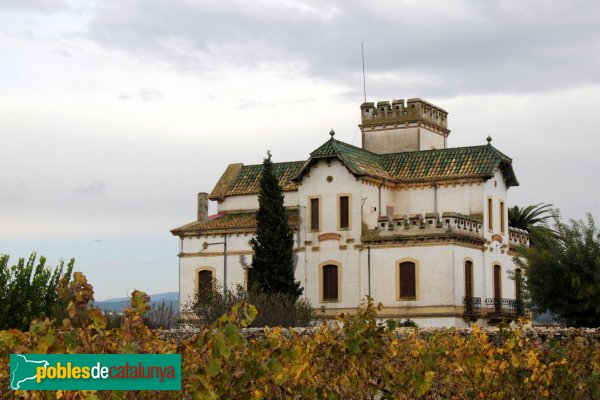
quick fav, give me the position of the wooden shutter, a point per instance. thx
(205, 283)
(502, 220)
(330, 282)
(468, 280)
(490, 214)
(344, 212)
(408, 282)
(518, 287)
(497, 294)
(314, 214)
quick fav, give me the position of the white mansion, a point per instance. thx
(418, 226)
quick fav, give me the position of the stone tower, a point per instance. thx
(396, 127)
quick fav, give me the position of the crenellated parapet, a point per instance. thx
(429, 226)
(518, 237)
(400, 112)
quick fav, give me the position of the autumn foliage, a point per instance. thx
(357, 358)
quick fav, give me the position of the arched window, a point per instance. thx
(469, 286)
(518, 285)
(408, 280)
(205, 285)
(468, 279)
(497, 287)
(330, 282)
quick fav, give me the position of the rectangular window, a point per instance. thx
(497, 288)
(330, 283)
(344, 212)
(314, 214)
(502, 220)
(408, 281)
(490, 214)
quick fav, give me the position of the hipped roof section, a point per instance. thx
(223, 223)
(406, 167)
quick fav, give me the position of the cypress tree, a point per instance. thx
(272, 262)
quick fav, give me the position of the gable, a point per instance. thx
(239, 179)
(476, 162)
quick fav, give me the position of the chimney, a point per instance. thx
(202, 206)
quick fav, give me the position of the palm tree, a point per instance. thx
(529, 217)
(533, 219)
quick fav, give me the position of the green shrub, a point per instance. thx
(29, 290)
(273, 309)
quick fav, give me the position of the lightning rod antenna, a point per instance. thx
(362, 49)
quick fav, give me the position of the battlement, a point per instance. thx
(398, 112)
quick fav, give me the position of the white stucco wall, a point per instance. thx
(495, 189)
(430, 140)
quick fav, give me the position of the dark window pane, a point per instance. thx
(344, 212)
(518, 287)
(497, 294)
(330, 282)
(408, 282)
(314, 214)
(205, 285)
(468, 279)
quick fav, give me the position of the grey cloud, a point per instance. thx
(450, 47)
(42, 6)
(144, 95)
(93, 188)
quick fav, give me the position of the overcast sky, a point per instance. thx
(114, 114)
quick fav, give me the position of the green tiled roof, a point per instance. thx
(448, 164)
(406, 167)
(246, 178)
(229, 221)
(357, 160)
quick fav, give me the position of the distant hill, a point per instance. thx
(119, 304)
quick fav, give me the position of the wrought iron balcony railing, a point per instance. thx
(507, 308)
(472, 306)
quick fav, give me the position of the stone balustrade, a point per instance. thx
(518, 237)
(429, 223)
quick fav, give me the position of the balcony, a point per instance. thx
(472, 307)
(517, 237)
(429, 226)
(497, 308)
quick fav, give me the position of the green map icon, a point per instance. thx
(23, 369)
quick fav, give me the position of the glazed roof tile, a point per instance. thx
(229, 221)
(405, 167)
(247, 178)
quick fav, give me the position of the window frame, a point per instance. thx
(497, 267)
(502, 217)
(490, 213)
(310, 213)
(472, 288)
(322, 266)
(197, 278)
(399, 277)
(339, 211)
